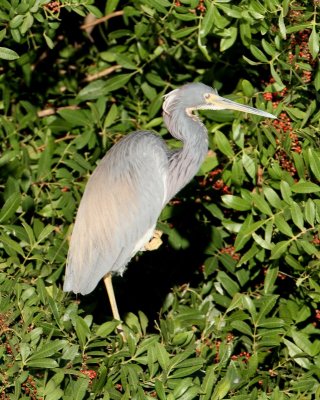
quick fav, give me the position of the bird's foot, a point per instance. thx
(155, 242)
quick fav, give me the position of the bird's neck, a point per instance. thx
(185, 162)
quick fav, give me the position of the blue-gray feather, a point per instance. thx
(127, 191)
(122, 201)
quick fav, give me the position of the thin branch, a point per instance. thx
(102, 73)
(51, 111)
(102, 19)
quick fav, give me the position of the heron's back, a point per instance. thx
(120, 207)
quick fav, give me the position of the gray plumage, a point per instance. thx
(133, 182)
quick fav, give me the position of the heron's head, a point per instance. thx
(197, 96)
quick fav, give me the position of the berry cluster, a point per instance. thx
(90, 373)
(215, 181)
(217, 344)
(217, 356)
(283, 126)
(244, 356)
(316, 323)
(200, 7)
(285, 163)
(275, 97)
(30, 388)
(299, 52)
(283, 123)
(53, 6)
(231, 251)
(3, 322)
(316, 239)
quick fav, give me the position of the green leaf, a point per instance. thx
(228, 283)
(6, 241)
(106, 328)
(247, 88)
(43, 363)
(314, 43)
(93, 90)
(182, 372)
(302, 341)
(76, 117)
(248, 304)
(249, 165)
(283, 225)
(8, 54)
(248, 256)
(267, 303)
(260, 203)
(270, 279)
(297, 354)
(268, 48)
(305, 187)
(181, 33)
(111, 116)
(297, 215)
(250, 62)
(229, 40)
(236, 203)
(44, 167)
(16, 21)
(258, 54)
(282, 27)
(245, 233)
(273, 198)
(27, 23)
(310, 212)
(80, 388)
(48, 40)
(221, 389)
(10, 207)
(208, 21)
(286, 192)
(111, 6)
(160, 390)
(117, 82)
(125, 62)
(48, 349)
(242, 327)
(162, 356)
(279, 249)
(208, 383)
(276, 77)
(308, 247)
(210, 162)
(181, 388)
(223, 144)
(82, 329)
(314, 160)
(47, 230)
(271, 323)
(316, 80)
(246, 37)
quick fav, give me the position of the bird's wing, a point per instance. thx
(119, 210)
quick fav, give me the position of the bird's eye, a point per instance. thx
(207, 96)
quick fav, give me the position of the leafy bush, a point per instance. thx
(228, 307)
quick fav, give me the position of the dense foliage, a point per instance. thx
(229, 306)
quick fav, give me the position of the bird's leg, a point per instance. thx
(114, 308)
(155, 242)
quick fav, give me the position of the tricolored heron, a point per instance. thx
(132, 183)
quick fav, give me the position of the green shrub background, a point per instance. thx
(229, 306)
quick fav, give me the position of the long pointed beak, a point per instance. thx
(216, 102)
